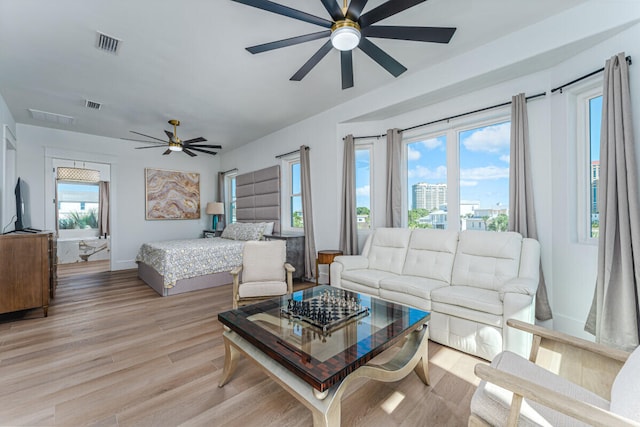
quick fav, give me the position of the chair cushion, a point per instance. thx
(492, 403)
(625, 391)
(261, 289)
(264, 261)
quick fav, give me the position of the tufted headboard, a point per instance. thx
(258, 197)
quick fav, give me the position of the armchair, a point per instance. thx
(265, 273)
(516, 391)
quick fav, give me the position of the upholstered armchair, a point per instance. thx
(265, 272)
(516, 391)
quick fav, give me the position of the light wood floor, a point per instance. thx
(112, 352)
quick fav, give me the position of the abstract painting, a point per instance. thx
(172, 195)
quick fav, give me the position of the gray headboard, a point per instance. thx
(258, 197)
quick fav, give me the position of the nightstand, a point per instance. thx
(207, 234)
(295, 250)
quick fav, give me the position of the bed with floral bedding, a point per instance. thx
(177, 266)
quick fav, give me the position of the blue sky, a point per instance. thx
(595, 122)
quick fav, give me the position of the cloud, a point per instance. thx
(464, 183)
(490, 139)
(432, 143)
(505, 158)
(413, 154)
(425, 173)
(363, 191)
(484, 173)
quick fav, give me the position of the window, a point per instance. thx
(293, 217)
(78, 205)
(459, 178)
(364, 171)
(230, 197)
(595, 119)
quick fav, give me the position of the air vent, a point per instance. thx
(52, 117)
(93, 105)
(107, 43)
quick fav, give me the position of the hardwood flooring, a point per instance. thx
(114, 353)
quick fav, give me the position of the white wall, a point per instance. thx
(7, 166)
(533, 60)
(129, 229)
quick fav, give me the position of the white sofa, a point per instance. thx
(470, 281)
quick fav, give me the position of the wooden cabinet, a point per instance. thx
(26, 271)
(295, 250)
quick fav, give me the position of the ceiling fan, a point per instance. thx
(348, 29)
(176, 144)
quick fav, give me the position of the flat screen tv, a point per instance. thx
(22, 209)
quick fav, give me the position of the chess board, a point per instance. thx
(326, 311)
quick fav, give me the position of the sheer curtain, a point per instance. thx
(103, 213)
(309, 238)
(394, 183)
(614, 316)
(522, 214)
(348, 220)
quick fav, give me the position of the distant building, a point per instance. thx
(595, 183)
(428, 196)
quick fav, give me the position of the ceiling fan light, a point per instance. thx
(345, 35)
(175, 146)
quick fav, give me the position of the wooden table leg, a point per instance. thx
(231, 356)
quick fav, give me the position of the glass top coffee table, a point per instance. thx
(316, 341)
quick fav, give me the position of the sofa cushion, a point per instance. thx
(420, 287)
(430, 254)
(367, 277)
(476, 299)
(388, 249)
(486, 259)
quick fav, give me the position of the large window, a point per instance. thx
(364, 172)
(459, 178)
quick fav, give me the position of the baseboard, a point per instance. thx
(123, 265)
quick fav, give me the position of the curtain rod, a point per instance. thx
(290, 152)
(559, 88)
(230, 170)
(538, 95)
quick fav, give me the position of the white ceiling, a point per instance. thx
(186, 60)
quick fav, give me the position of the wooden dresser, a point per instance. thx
(27, 269)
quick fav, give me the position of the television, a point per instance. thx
(22, 210)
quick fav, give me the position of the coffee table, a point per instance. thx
(284, 336)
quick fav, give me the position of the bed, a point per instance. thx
(178, 266)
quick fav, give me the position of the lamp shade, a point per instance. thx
(215, 208)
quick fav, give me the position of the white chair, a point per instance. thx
(516, 391)
(265, 272)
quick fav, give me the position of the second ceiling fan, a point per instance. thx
(348, 29)
(176, 144)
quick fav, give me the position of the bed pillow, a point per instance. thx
(268, 228)
(249, 231)
(229, 231)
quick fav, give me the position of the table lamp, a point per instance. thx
(215, 209)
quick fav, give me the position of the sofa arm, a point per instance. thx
(519, 285)
(352, 262)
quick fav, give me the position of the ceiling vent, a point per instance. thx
(52, 117)
(107, 43)
(92, 104)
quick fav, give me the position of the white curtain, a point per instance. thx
(614, 316)
(309, 238)
(522, 214)
(103, 211)
(348, 220)
(394, 182)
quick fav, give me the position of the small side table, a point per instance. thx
(326, 257)
(207, 234)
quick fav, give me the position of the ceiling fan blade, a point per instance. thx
(145, 141)
(288, 42)
(386, 10)
(355, 9)
(378, 55)
(186, 150)
(166, 152)
(169, 134)
(287, 11)
(346, 65)
(218, 147)
(152, 146)
(191, 141)
(420, 34)
(202, 151)
(148, 136)
(333, 9)
(312, 62)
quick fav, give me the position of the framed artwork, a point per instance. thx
(172, 194)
